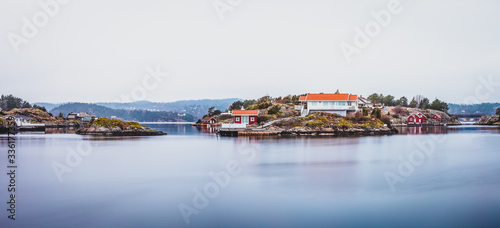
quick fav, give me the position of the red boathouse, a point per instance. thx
(418, 118)
(208, 120)
(245, 116)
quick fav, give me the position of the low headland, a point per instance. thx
(114, 127)
(489, 120)
(96, 126)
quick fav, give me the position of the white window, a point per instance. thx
(314, 103)
(252, 119)
(237, 119)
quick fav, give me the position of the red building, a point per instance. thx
(208, 120)
(418, 118)
(245, 116)
(436, 117)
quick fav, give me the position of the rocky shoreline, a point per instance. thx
(489, 120)
(312, 131)
(120, 133)
(341, 131)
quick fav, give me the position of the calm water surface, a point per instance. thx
(453, 180)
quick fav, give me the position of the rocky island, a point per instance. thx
(114, 127)
(275, 118)
(26, 118)
(287, 116)
(489, 120)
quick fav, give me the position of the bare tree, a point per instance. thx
(419, 98)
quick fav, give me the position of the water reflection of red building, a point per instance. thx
(207, 129)
(415, 130)
(419, 130)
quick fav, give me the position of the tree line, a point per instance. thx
(9, 102)
(265, 102)
(418, 101)
(135, 115)
(483, 108)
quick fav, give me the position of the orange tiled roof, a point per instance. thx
(302, 98)
(331, 97)
(245, 112)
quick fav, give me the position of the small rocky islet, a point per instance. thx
(114, 127)
(489, 120)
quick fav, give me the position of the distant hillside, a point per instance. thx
(48, 106)
(197, 108)
(483, 108)
(129, 115)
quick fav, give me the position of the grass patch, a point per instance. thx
(112, 123)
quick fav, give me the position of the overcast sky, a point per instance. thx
(93, 51)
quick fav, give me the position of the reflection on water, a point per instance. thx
(181, 129)
(207, 130)
(302, 181)
(64, 130)
(416, 130)
(186, 129)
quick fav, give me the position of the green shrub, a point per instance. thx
(365, 111)
(262, 119)
(314, 123)
(264, 105)
(274, 110)
(377, 113)
(343, 123)
(373, 123)
(386, 119)
(111, 123)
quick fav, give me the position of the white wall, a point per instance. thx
(331, 105)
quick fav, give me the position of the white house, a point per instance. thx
(23, 121)
(364, 102)
(338, 103)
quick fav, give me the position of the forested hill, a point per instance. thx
(130, 115)
(483, 108)
(196, 108)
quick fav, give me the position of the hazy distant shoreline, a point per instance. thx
(166, 122)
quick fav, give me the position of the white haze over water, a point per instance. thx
(94, 51)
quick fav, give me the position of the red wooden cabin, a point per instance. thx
(418, 118)
(245, 116)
